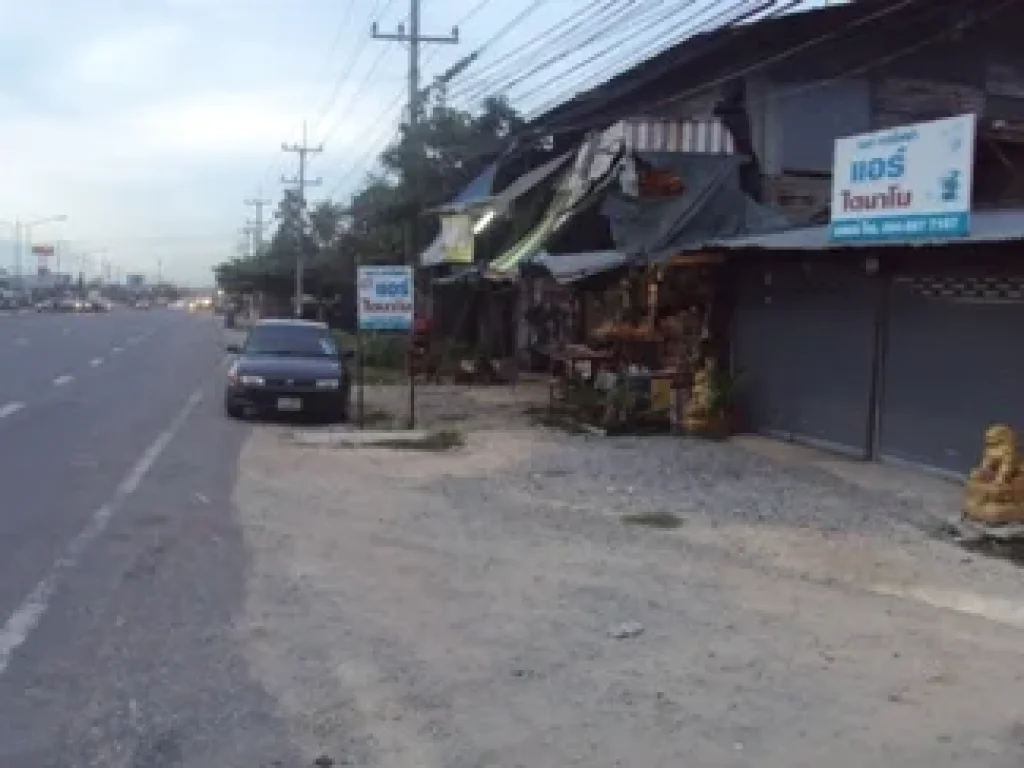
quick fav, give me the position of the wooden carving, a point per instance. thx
(995, 489)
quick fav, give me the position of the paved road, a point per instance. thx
(120, 562)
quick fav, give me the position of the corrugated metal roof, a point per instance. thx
(986, 227)
(569, 267)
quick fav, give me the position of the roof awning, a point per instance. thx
(433, 255)
(570, 267)
(986, 227)
(528, 181)
(476, 193)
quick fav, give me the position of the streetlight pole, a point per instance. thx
(23, 234)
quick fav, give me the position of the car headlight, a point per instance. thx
(252, 381)
(327, 383)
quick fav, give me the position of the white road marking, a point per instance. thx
(96, 362)
(67, 331)
(117, 350)
(134, 340)
(26, 617)
(22, 342)
(998, 609)
(64, 380)
(10, 409)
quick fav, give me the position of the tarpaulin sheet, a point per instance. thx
(711, 206)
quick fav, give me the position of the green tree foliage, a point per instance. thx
(423, 167)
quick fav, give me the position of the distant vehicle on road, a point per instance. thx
(142, 304)
(291, 367)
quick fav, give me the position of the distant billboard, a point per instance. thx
(135, 281)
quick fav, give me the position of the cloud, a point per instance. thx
(129, 60)
(148, 122)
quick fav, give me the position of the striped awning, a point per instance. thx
(661, 135)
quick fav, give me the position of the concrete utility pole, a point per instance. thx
(255, 227)
(414, 39)
(303, 150)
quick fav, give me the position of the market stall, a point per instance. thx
(643, 339)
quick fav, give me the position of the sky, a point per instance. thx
(148, 123)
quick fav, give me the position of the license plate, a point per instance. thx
(289, 404)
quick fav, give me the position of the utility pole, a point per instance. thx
(255, 227)
(414, 39)
(414, 181)
(303, 150)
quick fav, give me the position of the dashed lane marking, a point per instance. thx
(96, 362)
(10, 409)
(62, 381)
(16, 630)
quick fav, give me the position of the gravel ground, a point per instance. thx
(457, 609)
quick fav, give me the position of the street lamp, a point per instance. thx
(25, 228)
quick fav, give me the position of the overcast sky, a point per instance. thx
(147, 122)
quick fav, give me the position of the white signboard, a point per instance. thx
(457, 236)
(904, 183)
(386, 298)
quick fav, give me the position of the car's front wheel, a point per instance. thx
(233, 410)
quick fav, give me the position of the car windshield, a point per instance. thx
(297, 340)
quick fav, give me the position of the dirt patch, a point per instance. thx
(453, 609)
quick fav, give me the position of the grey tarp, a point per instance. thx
(711, 206)
(570, 267)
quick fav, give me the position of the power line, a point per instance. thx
(415, 38)
(351, 61)
(303, 151)
(763, 63)
(335, 42)
(615, 69)
(345, 72)
(608, 30)
(733, 14)
(254, 227)
(528, 52)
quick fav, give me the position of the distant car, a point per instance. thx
(142, 304)
(290, 367)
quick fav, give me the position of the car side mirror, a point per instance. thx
(234, 348)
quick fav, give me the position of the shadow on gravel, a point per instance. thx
(1011, 550)
(665, 520)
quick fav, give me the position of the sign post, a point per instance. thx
(386, 303)
(907, 183)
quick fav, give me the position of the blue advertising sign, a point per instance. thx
(907, 183)
(386, 298)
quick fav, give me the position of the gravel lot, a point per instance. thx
(457, 609)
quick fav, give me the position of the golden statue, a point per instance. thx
(995, 489)
(697, 416)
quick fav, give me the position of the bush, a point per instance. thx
(380, 350)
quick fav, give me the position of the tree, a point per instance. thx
(422, 168)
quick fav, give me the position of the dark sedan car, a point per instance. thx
(290, 367)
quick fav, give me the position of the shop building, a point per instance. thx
(892, 333)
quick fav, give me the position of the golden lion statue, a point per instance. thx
(995, 489)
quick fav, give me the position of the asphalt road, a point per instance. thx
(121, 565)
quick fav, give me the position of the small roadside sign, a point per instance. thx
(385, 301)
(385, 298)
